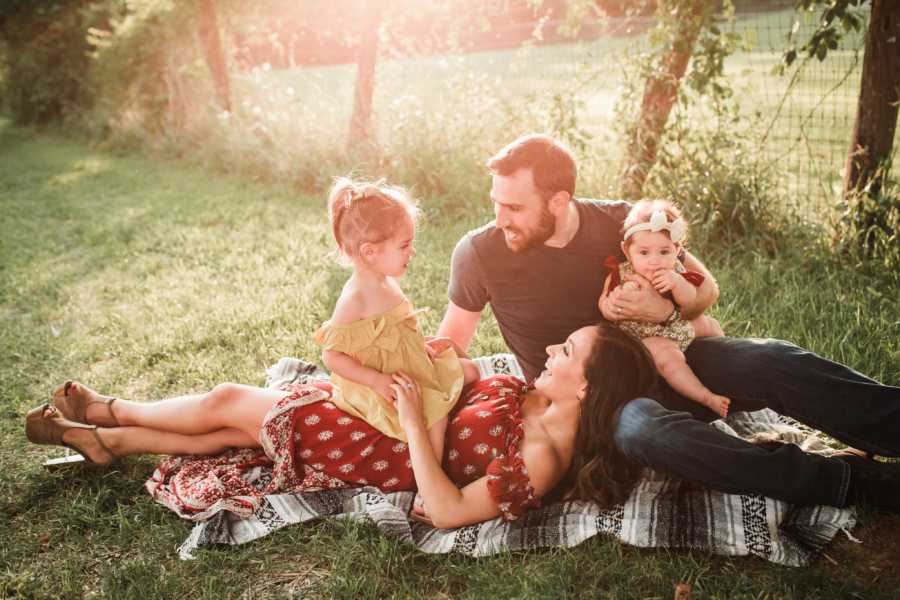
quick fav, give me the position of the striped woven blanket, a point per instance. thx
(662, 512)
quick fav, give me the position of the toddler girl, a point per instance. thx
(373, 331)
(653, 239)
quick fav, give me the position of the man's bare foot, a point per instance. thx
(81, 404)
(718, 404)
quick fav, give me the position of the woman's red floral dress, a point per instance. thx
(309, 444)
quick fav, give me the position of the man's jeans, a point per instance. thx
(668, 435)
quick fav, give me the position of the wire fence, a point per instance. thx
(802, 119)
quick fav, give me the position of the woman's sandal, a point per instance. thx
(74, 408)
(46, 425)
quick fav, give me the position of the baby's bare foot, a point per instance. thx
(718, 404)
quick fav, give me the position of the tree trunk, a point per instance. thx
(660, 94)
(361, 122)
(879, 95)
(212, 50)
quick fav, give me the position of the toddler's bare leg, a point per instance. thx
(673, 367)
(706, 326)
(470, 371)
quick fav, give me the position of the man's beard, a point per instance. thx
(527, 240)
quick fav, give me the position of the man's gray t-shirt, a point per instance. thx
(543, 294)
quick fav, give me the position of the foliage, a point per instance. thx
(868, 231)
(45, 58)
(838, 17)
(707, 160)
(138, 57)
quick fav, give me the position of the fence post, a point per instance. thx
(879, 95)
(361, 121)
(212, 50)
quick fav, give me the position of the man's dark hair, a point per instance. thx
(551, 163)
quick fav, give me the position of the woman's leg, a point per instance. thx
(123, 441)
(228, 405)
(673, 367)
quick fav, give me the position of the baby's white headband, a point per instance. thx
(659, 222)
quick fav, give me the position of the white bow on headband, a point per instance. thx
(659, 222)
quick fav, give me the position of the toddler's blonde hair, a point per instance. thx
(367, 212)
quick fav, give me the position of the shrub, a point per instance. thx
(868, 232)
(45, 58)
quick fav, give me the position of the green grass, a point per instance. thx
(145, 278)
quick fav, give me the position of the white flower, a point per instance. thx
(297, 437)
(327, 404)
(380, 465)
(469, 469)
(367, 451)
(481, 448)
(325, 435)
(346, 468)
(335, 454)
(362, 480)
(453, 454)
(496, 430)
(465, 433)
(483, 414)
(317, 466)
(391, 482)
(399, 447)
(357, 435)
(306, 453)
(312, 419)
(344, 421)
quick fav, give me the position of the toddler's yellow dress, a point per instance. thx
(391, 342)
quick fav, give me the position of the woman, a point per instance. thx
(507, 444)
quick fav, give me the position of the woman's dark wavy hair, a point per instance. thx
(618, 369)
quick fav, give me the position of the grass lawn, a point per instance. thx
(145, 279)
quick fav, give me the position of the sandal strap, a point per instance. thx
(79, 408)
(112, 455)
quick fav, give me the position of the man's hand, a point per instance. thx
(642, 304)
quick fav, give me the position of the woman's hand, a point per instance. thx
(408, 401)
(419, 512)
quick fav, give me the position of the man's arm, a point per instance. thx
(459, 325)
(707, 292)
(646, 304)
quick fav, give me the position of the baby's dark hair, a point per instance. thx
(366, 211)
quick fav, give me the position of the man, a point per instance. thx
(539, 266)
